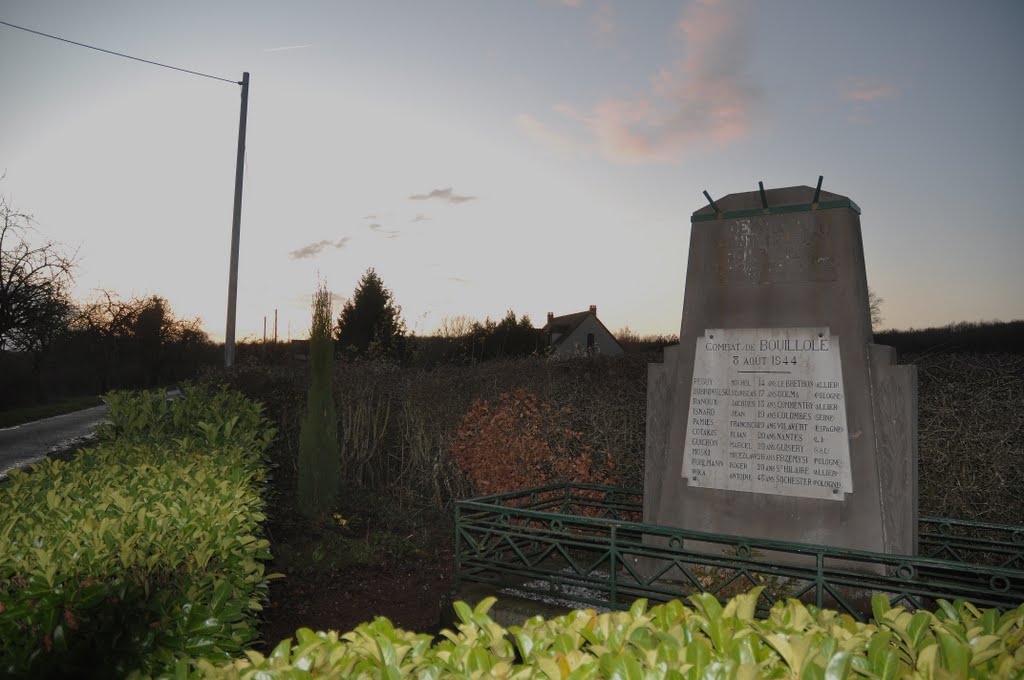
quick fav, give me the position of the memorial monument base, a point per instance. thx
(776, 417)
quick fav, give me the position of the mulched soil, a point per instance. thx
(405, 578)
(407, 593)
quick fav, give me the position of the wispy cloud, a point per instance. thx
(302, 300)
(862, 94)
(287, 48)
(544, 135)
(458, 279)
(421, 218)
(445, 194)
(703, 98)
(602, 19)
(314, 249)
(386, 233)
(602, 22)
(858, 89)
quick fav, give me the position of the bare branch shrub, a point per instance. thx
(971, 424)
(971, 430)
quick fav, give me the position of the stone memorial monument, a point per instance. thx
(776, 416)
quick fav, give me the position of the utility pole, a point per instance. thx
(236, 227)
(275, 325)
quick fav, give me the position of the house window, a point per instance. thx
(590, 343)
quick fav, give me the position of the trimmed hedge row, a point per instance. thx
(703, 640)
(399, 425)
(142, 550)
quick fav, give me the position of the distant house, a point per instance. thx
(578, 334)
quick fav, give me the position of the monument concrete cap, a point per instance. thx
(781, 200)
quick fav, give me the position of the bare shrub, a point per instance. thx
(971, 429)
(364, 411)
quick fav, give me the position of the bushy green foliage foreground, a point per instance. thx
(673, 640)
(142, 550)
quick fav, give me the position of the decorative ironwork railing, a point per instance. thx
(586, 543)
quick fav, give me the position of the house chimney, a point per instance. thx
(593, 309)
(551, 317)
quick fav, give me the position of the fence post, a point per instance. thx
(458, 548)
(613, 566)
(819, 586)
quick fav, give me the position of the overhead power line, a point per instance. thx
(121, 54)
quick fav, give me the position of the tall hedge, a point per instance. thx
(319, 456)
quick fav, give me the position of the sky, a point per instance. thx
(534, 155)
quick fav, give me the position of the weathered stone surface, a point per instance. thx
(778, 275)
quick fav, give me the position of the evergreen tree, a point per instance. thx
(370, 323)
(319, 457)
(507, 338)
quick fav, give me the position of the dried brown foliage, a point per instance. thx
(518, 437)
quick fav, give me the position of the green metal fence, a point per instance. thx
(586, 544)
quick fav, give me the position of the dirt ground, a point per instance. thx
(370, 561)
(407, 593)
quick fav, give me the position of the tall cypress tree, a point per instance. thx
(319, 458)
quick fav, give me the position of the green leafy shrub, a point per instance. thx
(704, 640)
(139, 551)
(202, 415)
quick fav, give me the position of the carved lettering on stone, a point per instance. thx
(776, 253)
(768, 414)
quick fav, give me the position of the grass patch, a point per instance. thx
(27, 414)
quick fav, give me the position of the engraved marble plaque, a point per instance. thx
(768, 414)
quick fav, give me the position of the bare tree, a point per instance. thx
(106, 315)
(875, 305)
(141, 330)
(35, 303)
(104, 322)
(454, 327)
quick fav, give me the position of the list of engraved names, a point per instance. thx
(767, 413)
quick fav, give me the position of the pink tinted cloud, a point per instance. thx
(702, 99)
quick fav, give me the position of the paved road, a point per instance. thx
(29, 442)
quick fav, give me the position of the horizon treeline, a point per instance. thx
(136, 343)
(105, 344)
(52, 345)
(464, 339)
(972, 337)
